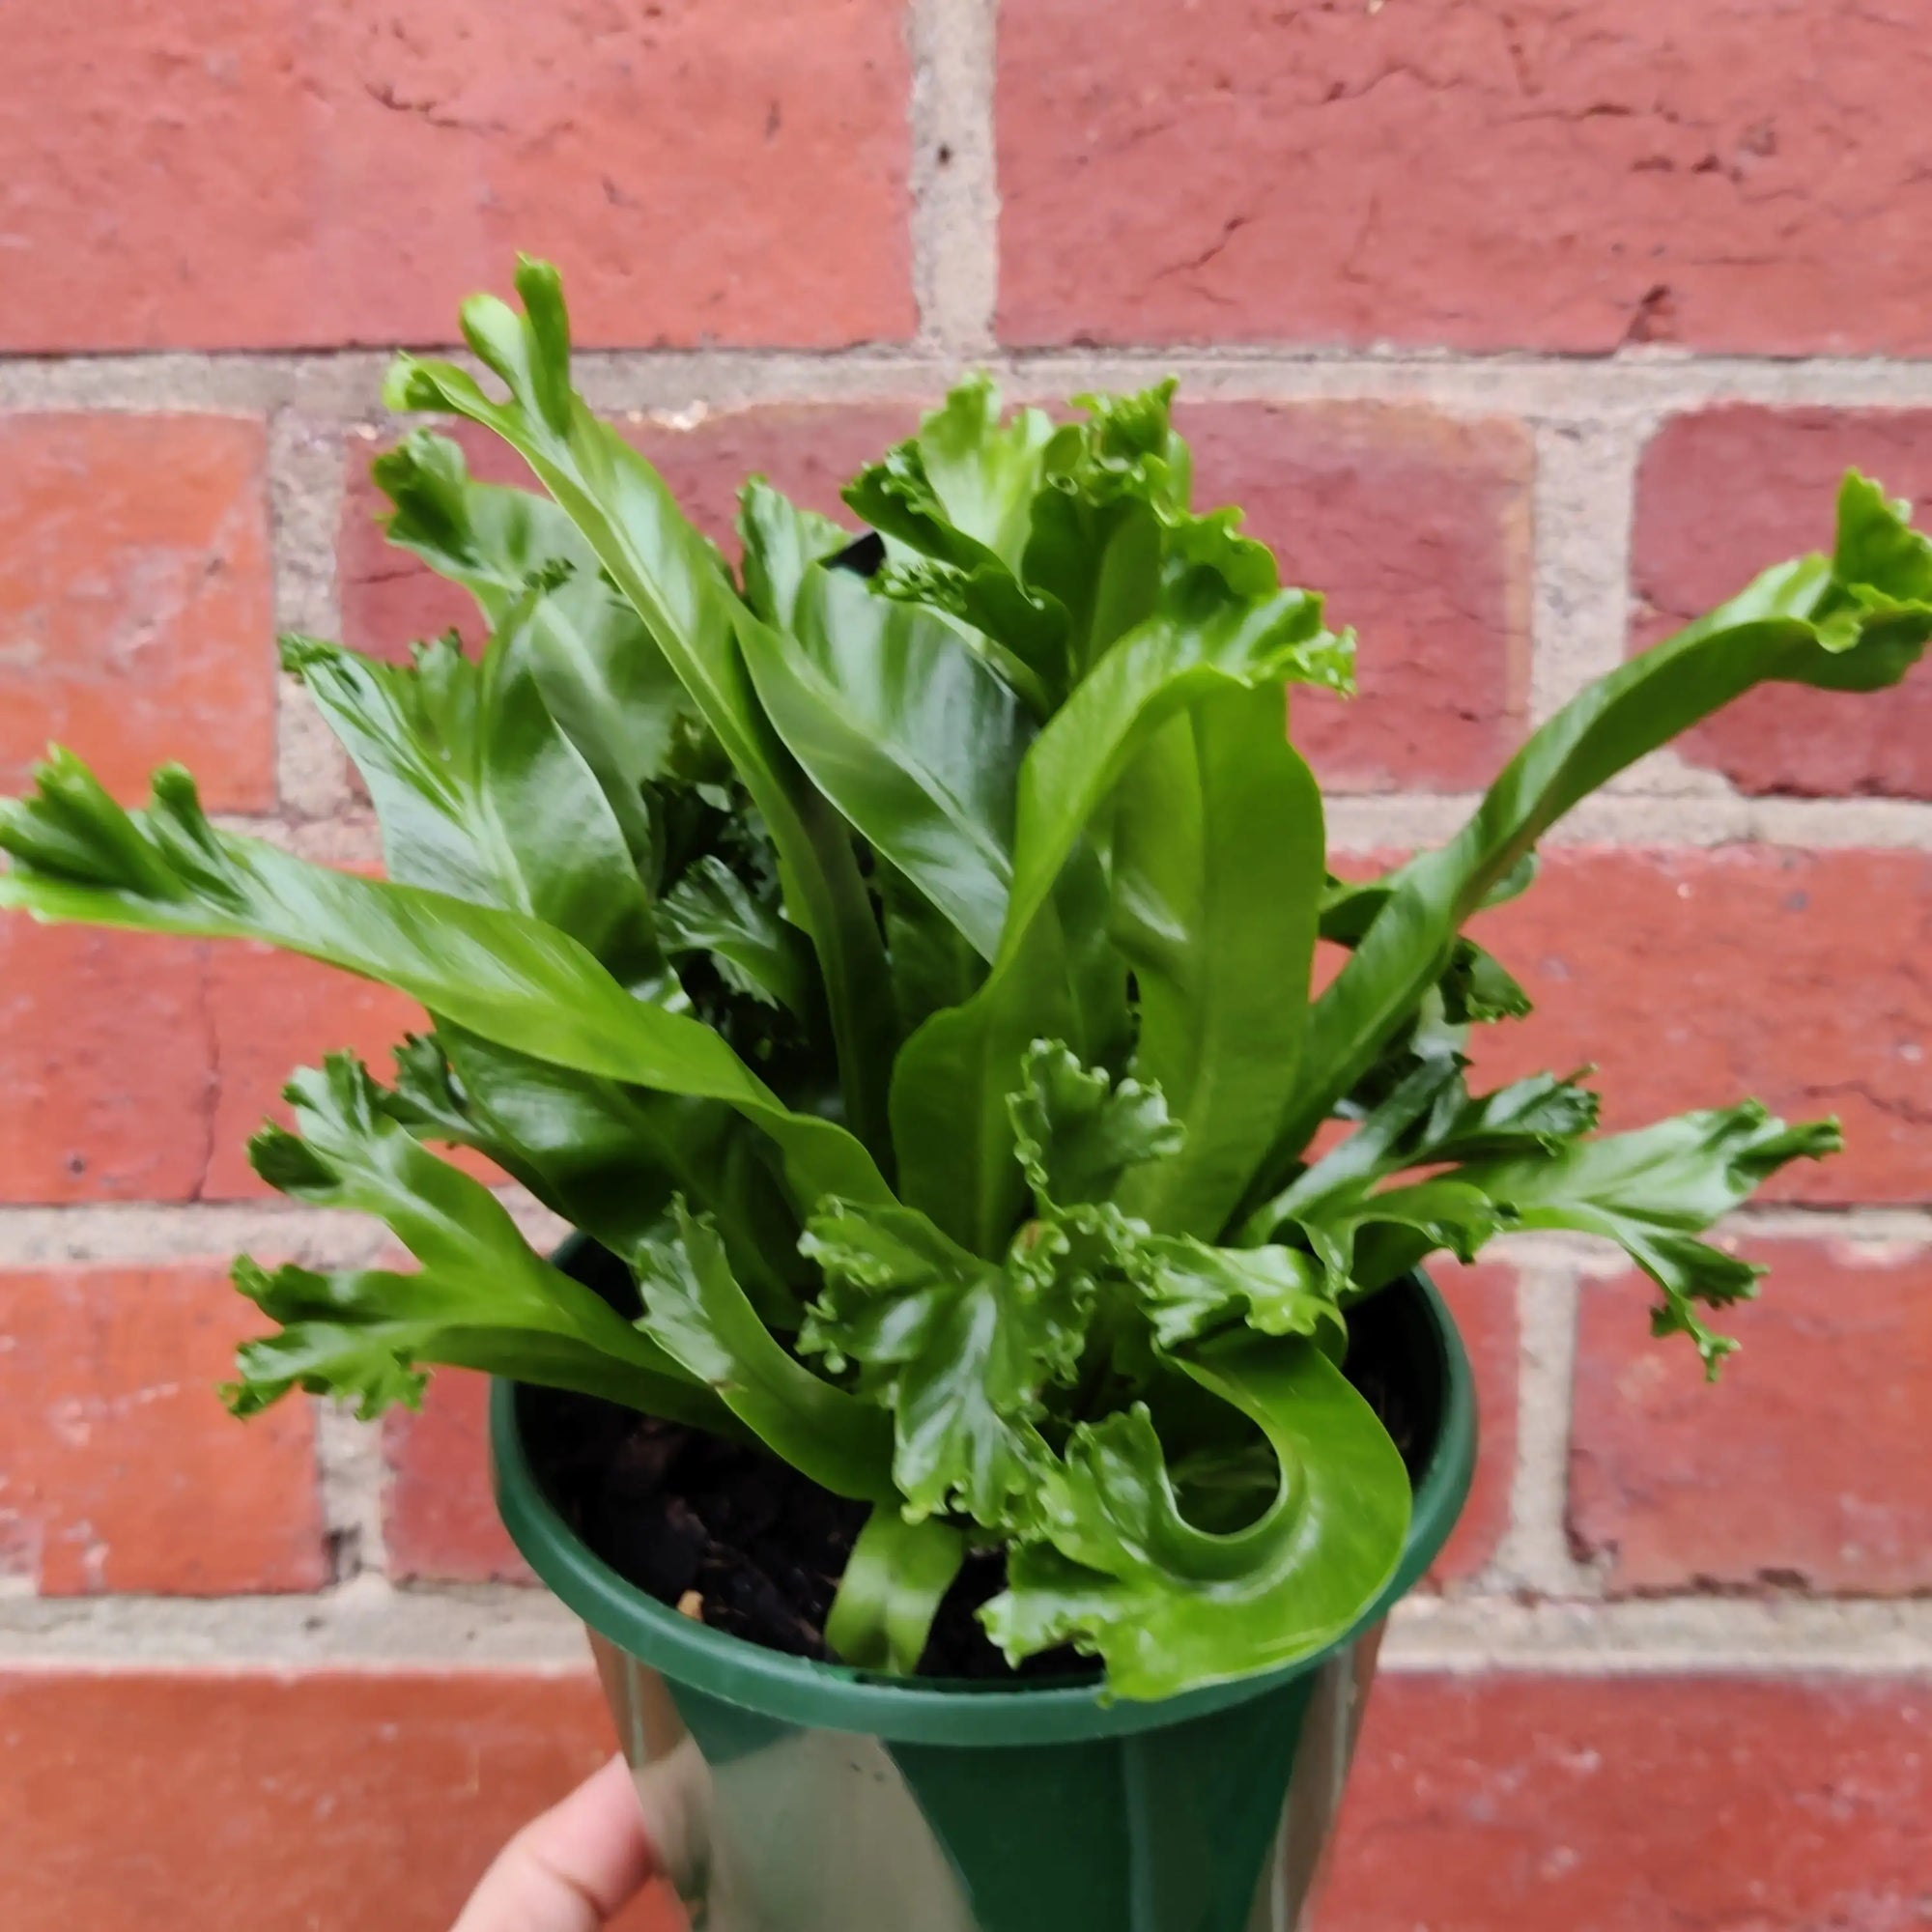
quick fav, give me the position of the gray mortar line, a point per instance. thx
(955, 211)
(117, 1232)
(1366, 822)
(325, 384)
(1732, 1637)
(351, 1477)
(363, 1622)
(1875, 1232)
(306, 476)
(344, 387)
(1586, 495)
(1536, 388)
(368, 1625)
(1535, 1555)
(121, 1233)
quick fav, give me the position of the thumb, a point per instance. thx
(570, 1869)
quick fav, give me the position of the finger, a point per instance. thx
(570, 1869)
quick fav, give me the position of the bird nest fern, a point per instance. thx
(897, 950)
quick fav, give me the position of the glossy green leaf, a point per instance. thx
(783, 542)
(949, 1087)
(933, 963)
(601, 677)
(1367, 1227)
(907, 732)
(1170, 1606)
(1116, 500)
(1653, 1191)
(480, 795)
(1474, 986)
(960, 1349)
(698, 1314)
(754, 947)
(674, 581)
(1076, 1131)
(606, 1158)
(1518, 1159)
(482, 1298)
(78, 856)
(952, 1130)
(1188, 1289)
(961, 494)
(1537, 1115)
(980, 474)
(1431, 1118)
(891, 1591)
(1218, 869)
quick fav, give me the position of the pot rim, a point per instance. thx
(832, 1696)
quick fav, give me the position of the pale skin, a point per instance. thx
(574, 1868)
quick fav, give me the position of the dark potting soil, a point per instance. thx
(732, 1536)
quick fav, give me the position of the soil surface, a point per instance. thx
(732, 1536)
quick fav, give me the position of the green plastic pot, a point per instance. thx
(789, 1796)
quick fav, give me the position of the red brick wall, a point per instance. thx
(1524, 331)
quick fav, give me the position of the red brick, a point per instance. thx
(702, 175)
(1805, 1466)
(135, 599)
(1522, 1804)
(440, 1521)
(1417, 526)
(331, 1800)
(1483, 1301)
(274, 1013)
(104, 1056)
(1556, 176)
(1722, 493)
(808, 450)
(119, 1470)
(137, 1067)
(1697, 978)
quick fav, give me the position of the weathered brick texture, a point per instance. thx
(440, 1521)
(119, 1471)
(1433, 173)
(134, 600)
(1804, 1469)
(1418, 528)
(1699, 978)
(1483, 1301)
(1517, 1803)
(137, 1068)
(235, 175)
(133, 1799)
(1721, 492)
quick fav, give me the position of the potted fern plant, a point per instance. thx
(981, 1422)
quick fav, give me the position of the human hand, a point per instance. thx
(572, 1869)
